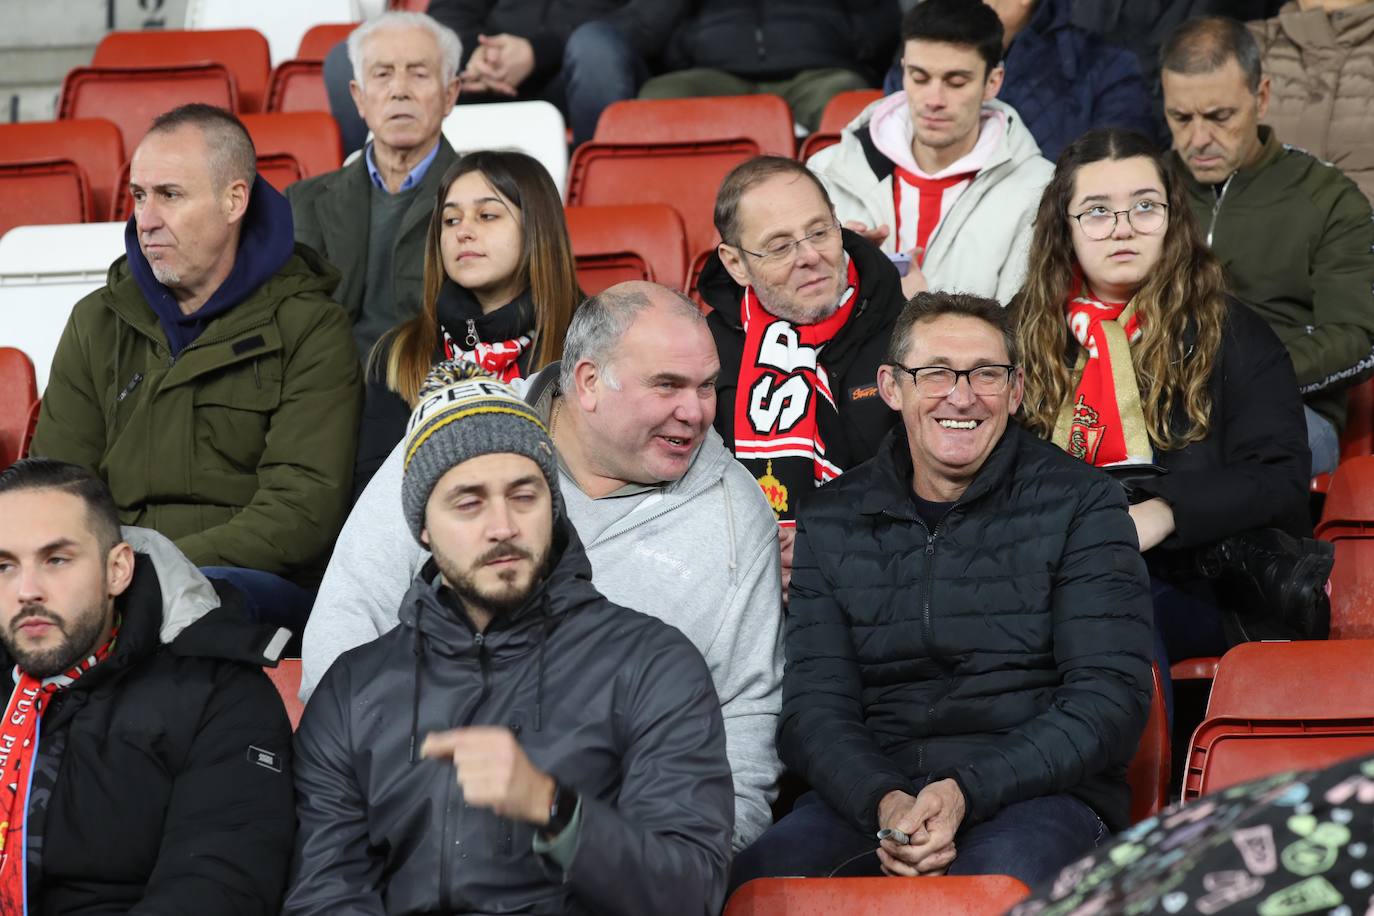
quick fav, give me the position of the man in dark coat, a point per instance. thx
(370, 217)
(518, 743)
(801, 311)
(968, 644)
(146, 757)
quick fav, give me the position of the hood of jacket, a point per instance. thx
(266, 243)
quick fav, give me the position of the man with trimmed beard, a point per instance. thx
(145, 759)
(518, 743)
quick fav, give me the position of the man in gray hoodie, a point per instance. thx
(672, 524)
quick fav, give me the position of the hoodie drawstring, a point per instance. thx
(419, 651)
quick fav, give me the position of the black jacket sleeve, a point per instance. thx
(335, 870)
(875, 25)
(228, 829)
(666, 840)
(383, 425)
(466, 17)
(1265, 464)
(1101, 616)
(821, 732)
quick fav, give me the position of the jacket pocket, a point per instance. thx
(232, 412)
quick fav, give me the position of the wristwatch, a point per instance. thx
(560, 810)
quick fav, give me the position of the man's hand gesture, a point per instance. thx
(493, 771)
(931, 819)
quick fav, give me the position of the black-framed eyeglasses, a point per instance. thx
(785, 249)
(1144, 216)
(940, 381)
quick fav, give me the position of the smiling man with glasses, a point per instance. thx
(968, 638)
(800, 311)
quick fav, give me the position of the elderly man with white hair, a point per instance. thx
(369, 217)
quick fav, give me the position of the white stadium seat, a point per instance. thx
(283, 22)
(533, 127)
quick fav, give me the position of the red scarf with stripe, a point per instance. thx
(1103, 423)
(929, 204)
(18, 745)
(501, 358)
(784, 399)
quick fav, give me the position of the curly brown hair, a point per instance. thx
(1182, 304)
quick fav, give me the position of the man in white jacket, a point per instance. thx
(673, 525)
(943, 174)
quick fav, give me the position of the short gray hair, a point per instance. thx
(450, 48)
(1205, 43)
(232, 155)
(599, 323)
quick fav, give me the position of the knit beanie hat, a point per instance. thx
(464, 412)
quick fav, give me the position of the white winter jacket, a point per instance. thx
(982, 244)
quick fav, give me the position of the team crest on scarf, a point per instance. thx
(784, 400)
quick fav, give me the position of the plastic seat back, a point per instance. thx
(298, 85)
(18, 394)
(985, 895)
(280, 170)
(534, 127)
(1148, 774)
(309, 137)
(132, 97)
(1231, 750)
(763, 120)
(44, 270)
(319, 40)
(1349, 507)
(839, 111)
(242, 51)
(612, 244)
(286, 677)
(94, 144)
(43, 192)
(1294, 680)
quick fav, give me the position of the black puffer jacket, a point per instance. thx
(1009, 648)
(612, 703)
(169, 765)
(851, 359)
(774, 39)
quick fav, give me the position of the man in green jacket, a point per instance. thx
(1293, 232)
(212, 382)
(370, 217)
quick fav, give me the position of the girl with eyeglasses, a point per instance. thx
(500, 287)
(1137, 361)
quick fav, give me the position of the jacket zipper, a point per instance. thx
(471, 340)
(925, 609)
(445, 865)
(1216, 209)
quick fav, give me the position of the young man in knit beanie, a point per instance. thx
(518, 742)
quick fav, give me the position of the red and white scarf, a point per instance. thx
(1103, 422)
(501, 358)
(18, 746)
(784, 400)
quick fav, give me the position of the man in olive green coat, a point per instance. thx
(370, 217)
(1293, 232)
(212, 382)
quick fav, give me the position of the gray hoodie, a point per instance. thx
(700, 553)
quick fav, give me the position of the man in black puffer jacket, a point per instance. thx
(519, 744)
(146, 758)
(968, 644)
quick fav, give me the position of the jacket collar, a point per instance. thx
(1270, 150)
(890, 492)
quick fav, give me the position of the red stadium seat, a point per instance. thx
(243, 51)
(18, 395)
(45, 191)
(279, 170)
(132, 97)
(1348, 523)
(319, 40)
(675, 152)
(286, 677)
(94, 144)
(1357, 439)
(986, 895)
(1281, 705)
(310, 137)
(298, 85)
(640, 242)
(1148, 774)
(414, 6)
(839, 111)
